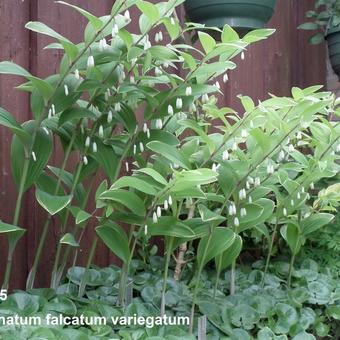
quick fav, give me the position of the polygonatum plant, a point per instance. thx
(196, 175)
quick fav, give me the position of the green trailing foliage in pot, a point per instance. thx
(326, 21)
(242, 15)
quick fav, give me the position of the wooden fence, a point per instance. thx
(275, 65)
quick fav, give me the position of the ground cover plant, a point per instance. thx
(225, 192)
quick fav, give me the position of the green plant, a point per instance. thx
(325, 15)
(198, 176)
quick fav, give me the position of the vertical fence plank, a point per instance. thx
(14, 42)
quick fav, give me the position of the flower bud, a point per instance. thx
(179, 103)
(166, 205)
(118, 107)
(90, 62)
(225, 155)
(85, 160)
(141, 147)
(170, 200)
(145, 229)
(205, 98)
(115, 30)
(159, 123)
(225, 78)
(101, 131)
(134, 149)
(145, 127)
(87, 141)
(159, 211)
(243, 212)
(34, 156)
(188, 91)
(170, 110)
(76, 74)
(127, 15)
(127, 166)
(154, 218)
(236, 222)
(284, 212)
(242, 55)
(109, 117)
(94, 147)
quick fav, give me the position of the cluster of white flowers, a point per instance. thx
(103, 45)
(158, 212)
(159, 36)
(242, 194)
(232, 209)
(188, 91)
(270, 169)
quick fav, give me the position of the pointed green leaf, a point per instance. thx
(226, 258)
(70, 240)
(169, 226)
(126, 198)
(211, 246)
(50, 203)
(115, 239)
(135, 183)
(42, 150)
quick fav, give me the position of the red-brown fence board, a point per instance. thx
(274, 65)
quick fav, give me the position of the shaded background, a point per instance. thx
(274, 65)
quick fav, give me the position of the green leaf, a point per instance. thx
(52, 204)
(115, 239)
(135, 183)
(13, 233)
(6, 119)
(7, 67)
(247, 103)
(69, 239)
(309, 26)
(209, 216)
(229, 34)
(317, 38)
(82, 216)
(42, 149)
(107, 158)
(257, 35)
(75, 113)
(169, 152)
(154, 174)
(207, 41)
(315, 222)
(95, 22)
(193, 178)
(212, 245)
(126, 198)
(291, 234)
(169, 226)
(226, 258)
(150, 10)
(40, 27)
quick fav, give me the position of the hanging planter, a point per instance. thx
(333, 42)
(327, 28)
(242, 15)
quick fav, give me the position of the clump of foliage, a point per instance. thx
(325, 15)
(197, 176)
